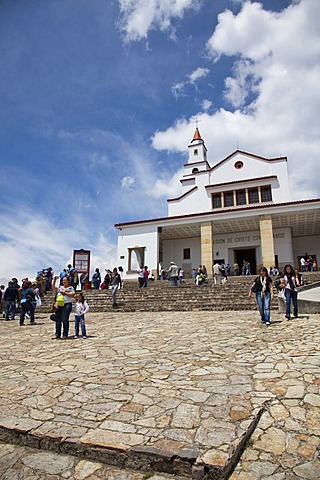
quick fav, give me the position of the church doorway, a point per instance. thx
(247, 255)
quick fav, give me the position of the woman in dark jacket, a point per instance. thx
(262, 287)
(27, 303)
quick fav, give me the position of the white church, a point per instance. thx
(238, 209)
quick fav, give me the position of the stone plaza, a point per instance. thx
(161, 394)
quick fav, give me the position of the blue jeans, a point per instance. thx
(291, 295)
(114, 289)
(79, 321)
(10, 309)
(63, 314)
(174, 281)
(264, 306)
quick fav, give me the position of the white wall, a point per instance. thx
(282, 239)
(173, 251)
(138, 236)
(200, 200)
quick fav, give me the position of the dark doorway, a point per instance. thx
(248, 255)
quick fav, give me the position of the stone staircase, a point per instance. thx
(159, 296)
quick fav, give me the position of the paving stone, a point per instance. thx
(166, 381)
(308, 471)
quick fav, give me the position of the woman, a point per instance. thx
(27, 303)
(262, 287)
(96, 279)
(115, 283)
(63, 306)
(291, 281)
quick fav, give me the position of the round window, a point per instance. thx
(238, 165)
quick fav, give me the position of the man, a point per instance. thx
(173, 273)
(217, 273)
(11, 296)
(140, 273)
(2, 288)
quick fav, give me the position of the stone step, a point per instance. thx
(160, 296)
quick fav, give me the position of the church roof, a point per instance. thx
(259, 157)
(196, 135)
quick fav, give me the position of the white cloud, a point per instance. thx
(197, 74)
(274, 91)
(127, 182)
(192, 78)
(206, 105)
(177, 89)
(30, 242)
(138, 17)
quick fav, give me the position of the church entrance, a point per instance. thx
(247, 255)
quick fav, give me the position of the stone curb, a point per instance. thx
(143, 458)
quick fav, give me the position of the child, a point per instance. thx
(81, 308)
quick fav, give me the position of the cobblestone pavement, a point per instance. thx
(174, 381)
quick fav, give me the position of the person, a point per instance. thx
(27, 303)
(96, 279)
(2, 287)
(37, 298)
(302, 264)
(173, 273)
(107, 279)
(81, 308)
(244, 266)
(162, 274)
(224, 277)
(75, 280)
(193, 274)
(145, 276)
(140, 273)
(63, 274)
(217, 273)
(10, 297)
(36, 302)
(48, 278)
(63, 306)
(235, 269)
(200, 278)
(71, 271)
(181, 275)
(83, 279)
(228, 269)
(115, 283)
(291, 281)
(262, 287)
(314, 265)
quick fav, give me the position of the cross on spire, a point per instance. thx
(196, 121)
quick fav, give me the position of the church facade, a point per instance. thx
(240, 209)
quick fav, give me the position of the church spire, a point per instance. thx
(196, 135)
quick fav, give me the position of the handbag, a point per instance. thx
(53, 317)
(254, 288)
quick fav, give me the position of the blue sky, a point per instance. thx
(98, 103)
